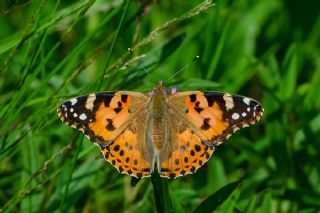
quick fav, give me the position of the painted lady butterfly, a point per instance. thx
(174, 134)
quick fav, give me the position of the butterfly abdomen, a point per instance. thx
(158, 128)
(158, 134)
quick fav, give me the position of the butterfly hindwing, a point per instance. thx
(187, 154)
(127, 156)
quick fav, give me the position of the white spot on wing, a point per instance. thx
(246, 101)
(73, 101)
(235, 116)
(75, 115)
(244, 114)
(90, 100)
(83, 116)
(71, 109)
(229, 101)
(248, 109)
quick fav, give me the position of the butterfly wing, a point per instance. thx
(184, 155)
(199, 121)
(129, 154)
(101, 116)
(115, 121)
(214, 116)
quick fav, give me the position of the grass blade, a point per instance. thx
(216, 199)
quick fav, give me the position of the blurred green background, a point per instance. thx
(53, 50)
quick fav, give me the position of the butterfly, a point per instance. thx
(172, 134)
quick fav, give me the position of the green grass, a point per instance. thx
(53, 50)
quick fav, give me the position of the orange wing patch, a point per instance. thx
(109, 119)
(187, 155)
(125, 154)
(206, 116)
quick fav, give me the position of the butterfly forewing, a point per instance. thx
(101, 116)
(214, 116)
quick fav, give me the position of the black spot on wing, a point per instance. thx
(198, 109)
(117, 110)
(145, 170)
(186, 159)
(124, 98)
(110, 126)
(107, 100)
(205, 125)
(165, 170)
(106, 155)
(197, 148)
(209, 100)
(193, 98)
(116, 148)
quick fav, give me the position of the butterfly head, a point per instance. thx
(159, 89)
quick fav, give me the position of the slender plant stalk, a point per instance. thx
(161, 193)
(103, 73)
(74, 162)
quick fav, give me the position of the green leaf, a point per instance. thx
(289, 80)
(216, 199)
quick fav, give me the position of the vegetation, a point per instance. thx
(53, 50)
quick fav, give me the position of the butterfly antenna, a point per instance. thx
(182, 69)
